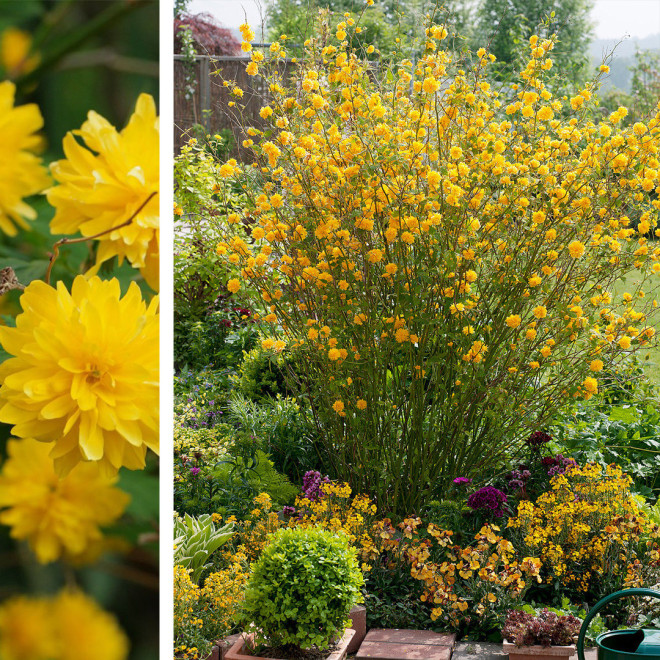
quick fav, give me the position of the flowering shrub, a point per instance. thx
(437, 254)
(471, 586)
(589, 533)
(210, 612)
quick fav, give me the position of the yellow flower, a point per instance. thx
(104, 182)
(20, 617)
(338, 406)
(596, 365)
(85, 373)
(576, 249)
(84, 630)
(64, 627)
(540, 312)
(513, 321)
(21, 171)
(591, 385)
(361, 404)
(59, 517)
(624, 342)
(233, 285)
(15, 55)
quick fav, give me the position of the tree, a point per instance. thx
(508, 24)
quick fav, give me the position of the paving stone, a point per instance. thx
(401, 644)
(478, 651)
(390, 651)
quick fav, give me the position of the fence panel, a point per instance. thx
(207, 107)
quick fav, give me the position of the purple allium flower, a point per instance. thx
(194, 471)
(462, 481)
(488, 498)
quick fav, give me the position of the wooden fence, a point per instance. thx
(205, 106)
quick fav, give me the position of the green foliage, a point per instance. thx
(621, 426)
(195, 539)
(302, 588)
(281, 429)
(262, 375)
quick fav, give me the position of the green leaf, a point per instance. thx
(143, 489)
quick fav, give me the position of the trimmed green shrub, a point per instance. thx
(302, 588)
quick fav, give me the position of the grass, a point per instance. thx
(649, 356)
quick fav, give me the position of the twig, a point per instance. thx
(62, 241)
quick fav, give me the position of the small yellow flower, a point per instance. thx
(361, 404)
(591, 385)
(233, 285)
(540, 312)
(338, 406)
(513, 321)
(596, 365)
(576, 248)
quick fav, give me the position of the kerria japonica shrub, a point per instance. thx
(438, 256)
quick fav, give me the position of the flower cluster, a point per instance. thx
(311, 488)
(588, 531)
(488, 498)
(537, 439)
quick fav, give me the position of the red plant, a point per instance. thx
(209, 36)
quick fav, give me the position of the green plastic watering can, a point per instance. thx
(622, 644)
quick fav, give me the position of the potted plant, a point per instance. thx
(546, 635)
(298, 597)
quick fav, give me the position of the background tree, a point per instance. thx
(508, 24)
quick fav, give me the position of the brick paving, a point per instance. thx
(395, 644)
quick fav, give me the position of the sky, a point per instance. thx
(613, 19)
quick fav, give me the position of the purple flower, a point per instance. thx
(538, 438)
(288, 511)
(488, 498)
(311, 488)
(462, 481)
(194, 471)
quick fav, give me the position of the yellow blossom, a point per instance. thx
(85, 373)
(105, 181)
(513, 321)
(59, 517)
(21, 171)
(576, 249)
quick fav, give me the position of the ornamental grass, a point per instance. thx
(437, 255)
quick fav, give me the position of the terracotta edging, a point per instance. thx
(537, 652)
(235, 652)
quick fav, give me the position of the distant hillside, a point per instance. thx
(624, 57)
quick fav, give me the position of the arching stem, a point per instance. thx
(62, 241)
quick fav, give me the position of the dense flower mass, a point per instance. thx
(105, 181)
(60, 518)
(68, 626)
(21, 171)
(85, 373)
